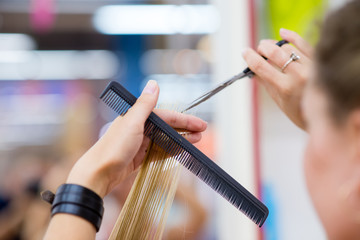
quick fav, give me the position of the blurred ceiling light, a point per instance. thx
(57, 65)
(16, 41)
(157, 19)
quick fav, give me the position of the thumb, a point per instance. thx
(145, 103)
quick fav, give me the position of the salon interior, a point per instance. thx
(57, 57)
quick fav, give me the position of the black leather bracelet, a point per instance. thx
(72, 193)
(80, 201)
(80, 211)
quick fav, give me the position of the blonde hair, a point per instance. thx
(145, 210)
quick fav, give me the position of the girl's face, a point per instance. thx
(331, 167)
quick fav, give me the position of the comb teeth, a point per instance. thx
(120, 100)
(118, 104)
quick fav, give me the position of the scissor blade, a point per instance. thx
(204, 97)
(245, 73)
(215, 90)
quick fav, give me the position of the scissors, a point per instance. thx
(246, 73)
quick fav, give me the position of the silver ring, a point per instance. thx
(293, 57)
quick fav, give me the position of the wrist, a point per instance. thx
(76, 200)
(90, 176)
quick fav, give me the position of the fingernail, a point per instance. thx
(284, 32)
(150, 87)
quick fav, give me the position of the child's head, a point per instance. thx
(331, 107)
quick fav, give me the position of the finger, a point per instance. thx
(264, 70)
(272, 41)
(291, 49)
(139, 157)
(299, 66)
(272, 52)
(276, 54)
(193, 137)
(281, 56)
(180, 120)
(145, 103)
(298, 41)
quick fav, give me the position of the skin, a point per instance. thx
(332, 156)
(286, 87)
(115, 156)
(332, 166)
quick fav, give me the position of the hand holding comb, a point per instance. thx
(120, 100)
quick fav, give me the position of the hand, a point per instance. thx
(285, 87)
(122, 148)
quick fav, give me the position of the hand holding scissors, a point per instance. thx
(246, 73)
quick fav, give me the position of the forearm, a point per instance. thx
(66, 226)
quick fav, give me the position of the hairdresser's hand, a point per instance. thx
(285, 87)
(122, 148)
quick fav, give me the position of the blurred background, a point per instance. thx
(56, 57)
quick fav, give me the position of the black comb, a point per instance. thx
(120, 100)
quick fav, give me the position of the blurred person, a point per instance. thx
(20, 187)
(114, 157)
(323, 98)
(36, 218)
